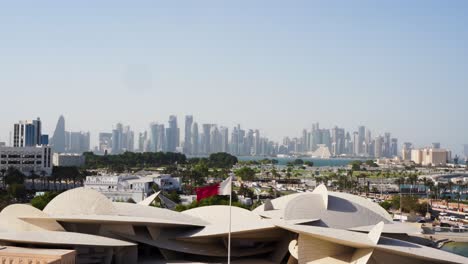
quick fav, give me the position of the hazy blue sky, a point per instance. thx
(399, 66)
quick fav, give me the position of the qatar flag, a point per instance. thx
(223, 188)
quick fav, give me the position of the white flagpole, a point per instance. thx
(230, 211)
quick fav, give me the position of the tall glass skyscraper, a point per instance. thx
(28, 133)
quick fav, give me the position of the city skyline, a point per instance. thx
(393, 66)
(210, 138)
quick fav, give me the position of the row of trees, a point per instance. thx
(408, 204)
(131, 160)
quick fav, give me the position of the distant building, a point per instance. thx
(430, 156)
(321, 152)
(27, 159)
(28, 133)
(465, 150)
(406, 151)
(172, 134)
(68, 160)
(188, 135)
(58, 140)
(105, 142)
(78, 142)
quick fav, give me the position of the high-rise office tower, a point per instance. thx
(249, 143)
(258, 145)
(188, 135)
(304, 143)
(356, 143)
(361, 138)
(142, 139)
(386, 145)
(172, 134)
(206, 139)
(234, 149)
(195, 139)
(157, 137)
(79, 142)
(378, 147)
(128, 139)
(316, 137)
(117, 139)
(406, 151)
(215, 140)
(241, 141)
(394, 147)
(28, 133)
(326, 138)
(338, 141)
(58, 140)
(348, 144)
(224, 139)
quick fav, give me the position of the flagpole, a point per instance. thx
(229, 234)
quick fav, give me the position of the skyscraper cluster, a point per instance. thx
(121, 139)
(204, 139)
(207, 138)
(341, 143)
(69, 141)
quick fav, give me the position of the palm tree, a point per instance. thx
(43, 176)
(3, 172)
(33, 178)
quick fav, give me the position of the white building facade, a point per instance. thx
(27, 159)
(68, 160)
(125, 187)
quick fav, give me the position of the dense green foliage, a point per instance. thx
(122, 162)
(309, 163)
(355, 165)
(260, 162)
(13, 175)
(173, 196)
(245, 173)
(409, 203)
(222, 160)
(298, 162)
(371, 163)
(17, 190)
(214, 200)
(41, 201)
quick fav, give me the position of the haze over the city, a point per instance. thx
(392, 66)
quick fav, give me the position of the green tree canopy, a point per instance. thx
(41, 201)
(222, 160)
(14, 175)
(298, 162)
(245, 173)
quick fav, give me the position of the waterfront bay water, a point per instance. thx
(334, 162)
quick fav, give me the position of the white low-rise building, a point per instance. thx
(135, 187)
(68, 160)
(27, 159)
(166, 182)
